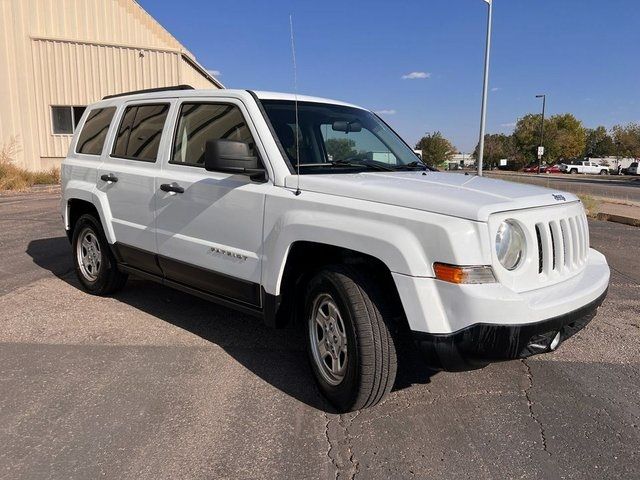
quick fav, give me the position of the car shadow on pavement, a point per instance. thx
(276, 356)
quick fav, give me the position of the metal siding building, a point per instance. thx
(60, 54)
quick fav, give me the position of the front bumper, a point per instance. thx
(438, 307)
(480, 344)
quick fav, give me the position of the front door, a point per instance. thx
(209, 224)
(127, 177)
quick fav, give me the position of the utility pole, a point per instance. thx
(541, 147)
(483, 114)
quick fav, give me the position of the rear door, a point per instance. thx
(127, 177)
(209, 224)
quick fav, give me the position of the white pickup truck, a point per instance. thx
(280, 206)
(584, 166)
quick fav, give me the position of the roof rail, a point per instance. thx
(149, 90)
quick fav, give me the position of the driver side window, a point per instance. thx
(200, 122)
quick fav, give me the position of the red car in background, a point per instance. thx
(533, 168)
(554, 169)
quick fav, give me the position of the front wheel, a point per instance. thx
(573, 171)
(604, 172)
(349, 339)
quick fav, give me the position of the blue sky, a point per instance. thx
(584, 54)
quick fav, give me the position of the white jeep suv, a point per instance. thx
(314, 211)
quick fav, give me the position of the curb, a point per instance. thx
(634, 222)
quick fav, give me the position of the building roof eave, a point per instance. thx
(194, 63)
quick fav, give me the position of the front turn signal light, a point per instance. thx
(466, 274)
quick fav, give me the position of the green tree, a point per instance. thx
(340, 148)
(564, 137)
(496, 147)
(627, 140)
(436, 149)
(598, 143)
(526, 137)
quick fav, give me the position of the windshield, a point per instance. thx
(337, 139)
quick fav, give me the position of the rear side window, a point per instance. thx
(199, 122)
(140, 132)
(94, 131)
(120, 147)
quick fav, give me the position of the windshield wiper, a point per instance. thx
(414, 164)
(361, 163)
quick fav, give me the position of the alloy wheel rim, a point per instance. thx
(328, 337)
(89, 254)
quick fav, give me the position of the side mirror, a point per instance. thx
(231, 156)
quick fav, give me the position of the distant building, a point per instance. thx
(460, 160)
(58, 56)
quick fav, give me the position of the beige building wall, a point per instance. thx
(72, 53)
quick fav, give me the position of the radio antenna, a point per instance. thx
(295, 96)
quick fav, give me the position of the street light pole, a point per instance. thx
(485, 87)
(541, 153)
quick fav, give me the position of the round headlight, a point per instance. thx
(510, 244)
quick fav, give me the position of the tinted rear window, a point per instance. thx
(94, 131)
(140, 132)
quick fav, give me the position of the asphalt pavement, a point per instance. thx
(153, 383)
(623, 188)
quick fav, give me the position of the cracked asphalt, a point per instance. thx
(153, 383)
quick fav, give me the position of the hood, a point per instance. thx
(454, 194)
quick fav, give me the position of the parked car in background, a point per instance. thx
(633, 169)
(554, 169)
(585, 166)
(533, 168)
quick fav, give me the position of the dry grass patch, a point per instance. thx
(591, 205)
(18, 179)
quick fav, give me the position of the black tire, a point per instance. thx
(106, 278)
(573, 171)
(604, 172)
(371, 363)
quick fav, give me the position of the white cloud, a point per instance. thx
(214, 73)
(508, 125)
(495, 89)
(386, 112)
(416, 75)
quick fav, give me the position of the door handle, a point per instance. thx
(110, 178)
(171, 187)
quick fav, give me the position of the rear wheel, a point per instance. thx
(604, 172)
(349, 339)
(573, 171)
(95, 265)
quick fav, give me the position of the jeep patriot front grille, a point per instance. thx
(563, 244)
